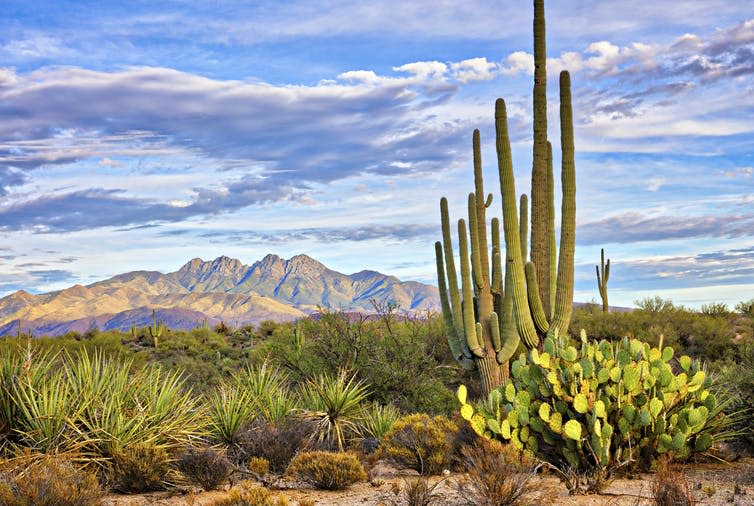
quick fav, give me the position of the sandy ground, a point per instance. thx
(712, 484)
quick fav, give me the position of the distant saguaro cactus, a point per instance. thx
(491, 313)
(603, 274)
(156, 329)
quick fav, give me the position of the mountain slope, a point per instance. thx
(223, 289)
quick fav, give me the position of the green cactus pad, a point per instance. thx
(467, 411)
(544, 412)
(572, 430)
(580, 403)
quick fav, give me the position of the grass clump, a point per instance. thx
(669, 485)
(498, 475)
(140, 468)
(422, 443)
(47, 480)
(205, 467)
(327, 470)
(250, 494)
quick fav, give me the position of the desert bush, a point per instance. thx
(250, 494)
(414, 492)
(334, 406)
(47, 480)
(421, 442)
(738, 381)
(278, 444)
(499, 475)
(258, 466)
(327, 470)
(205, 467)
(140, 468)
(604, 405)
(404, 360)
(669, 485)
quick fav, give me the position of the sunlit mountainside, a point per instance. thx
(224, 289)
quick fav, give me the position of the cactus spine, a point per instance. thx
(603, 274)
(536, 297)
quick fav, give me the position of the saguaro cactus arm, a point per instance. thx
(564, 294)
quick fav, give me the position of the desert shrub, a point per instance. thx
(669, 485)
(498, 475)
(327, 470)
(205, 467)
(140, 468)
(229, 409)
(278, 443)
(42, 480)
(414, 492)
(421, 442)
(738, 380)
(334, 406)
(604, 405)
(405, 360)
(258, 466)
(250, 494)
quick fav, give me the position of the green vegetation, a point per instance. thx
(603, 275)
(598, 406)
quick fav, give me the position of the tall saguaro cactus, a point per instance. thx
(603, 274)
(490, 315)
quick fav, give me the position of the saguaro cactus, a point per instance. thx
(487, 318)
(603, 274)
(156, 329)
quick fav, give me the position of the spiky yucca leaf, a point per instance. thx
(229, 409)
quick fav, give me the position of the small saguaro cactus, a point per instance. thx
(603, 274)
(156, 329)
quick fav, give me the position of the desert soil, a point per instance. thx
(712, 484)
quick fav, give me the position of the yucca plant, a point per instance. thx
(378, 420)
(268, 388)
(229, 410)
(335, 405)
(26, 363)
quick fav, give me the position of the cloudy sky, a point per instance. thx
(141, 134)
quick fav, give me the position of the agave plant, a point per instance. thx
(267, 386)
(335, 405)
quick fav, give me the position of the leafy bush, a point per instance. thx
(600, 406)
(249, 494)
(327, 470)
(404, 360)
(415, 492)
(205, 467)
(42, 480)
(422, 443)
(141, 468)
(499, 475)
(278, 444)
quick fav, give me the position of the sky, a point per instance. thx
(138, 135)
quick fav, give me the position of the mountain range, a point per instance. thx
(224, 289)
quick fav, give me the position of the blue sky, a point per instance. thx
(138, 135)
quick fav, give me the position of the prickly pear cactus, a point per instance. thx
(598, 404)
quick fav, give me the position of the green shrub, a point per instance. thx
(141, 468)
(327, 470)
(421, 442)
(250, 494)
(600, 406)
(42, 480)
(205, 467)
(738, 381)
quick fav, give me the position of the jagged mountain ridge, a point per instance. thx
(221, 289)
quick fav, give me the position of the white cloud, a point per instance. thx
(473, 69)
